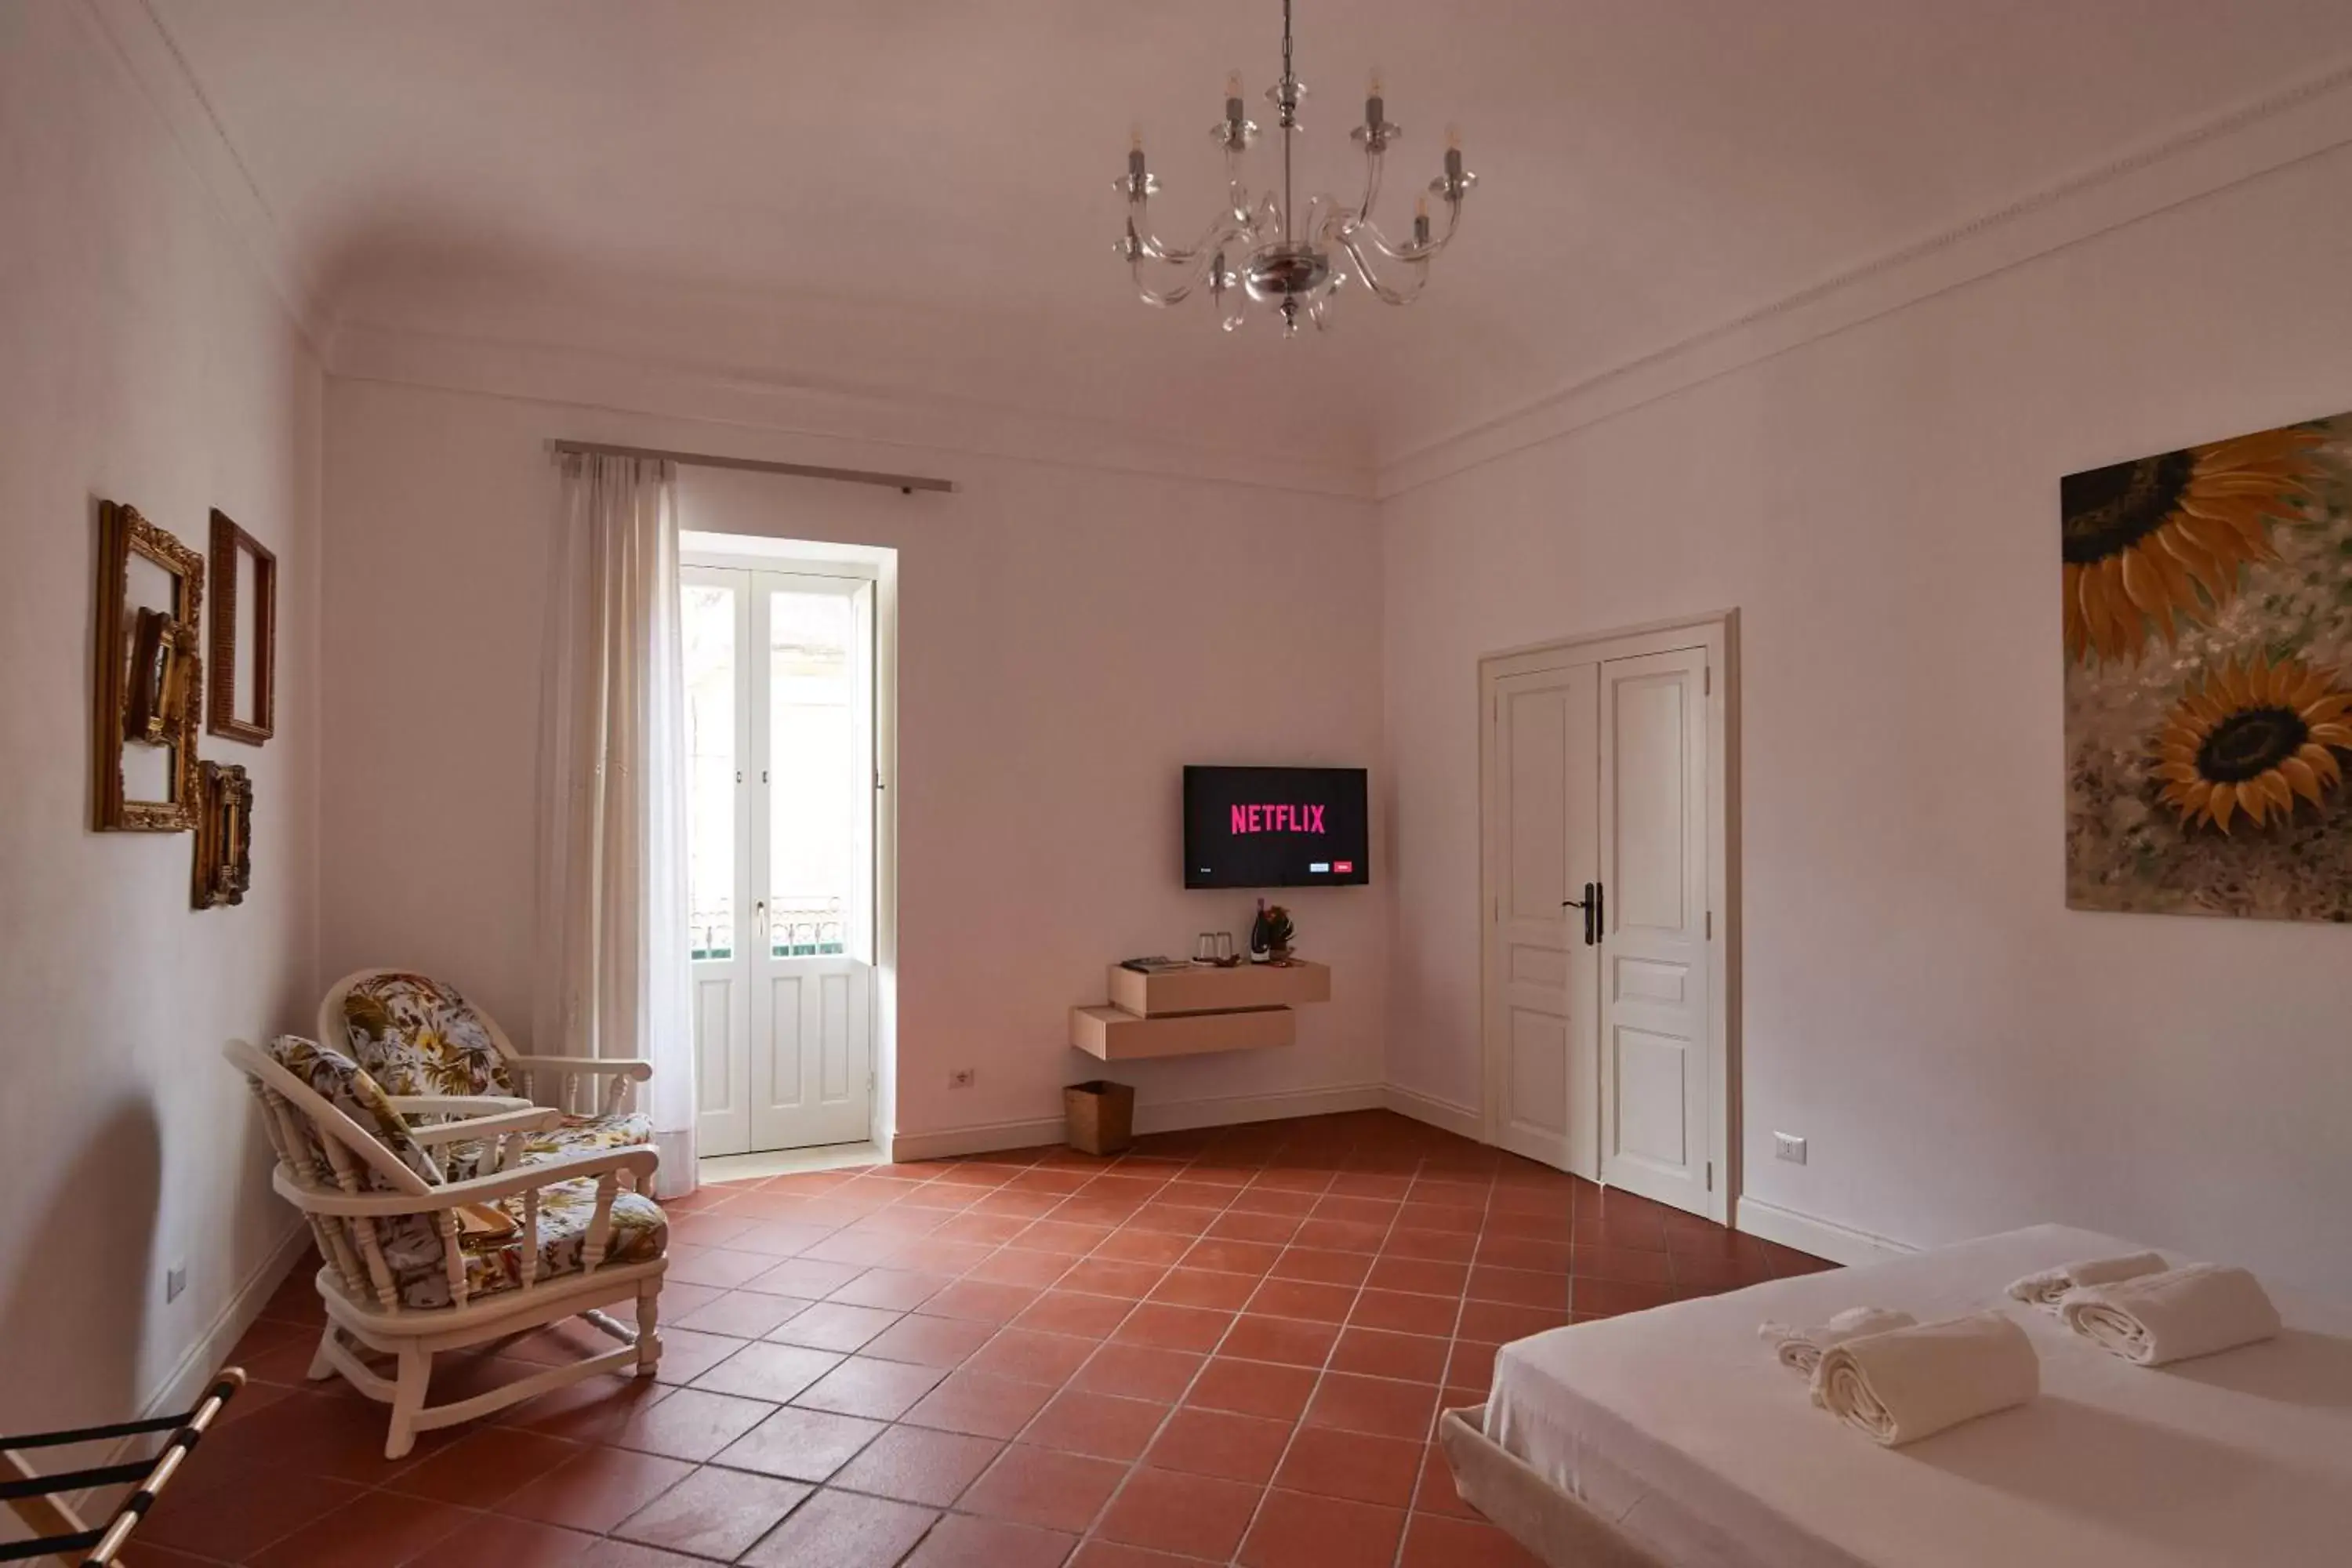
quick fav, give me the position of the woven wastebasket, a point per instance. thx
(1101, 1116)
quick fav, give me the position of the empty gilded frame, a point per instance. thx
(149, 684)
(245, 635)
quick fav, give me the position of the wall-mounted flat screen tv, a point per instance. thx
(1275, 827)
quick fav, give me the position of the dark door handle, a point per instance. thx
(1590, 904)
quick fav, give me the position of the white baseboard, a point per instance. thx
(1463, 1121)
(1183, 1115)
(184, 1381)
(1821, 1237)
(984, 1138)
(1173, 1116)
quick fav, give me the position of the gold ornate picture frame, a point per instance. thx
(155, 688)
(224, 835)
(257, 721)
(149, 686)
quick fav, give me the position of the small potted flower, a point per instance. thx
(1278, 933)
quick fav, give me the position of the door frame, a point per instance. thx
(1718, 632)
(879, 566)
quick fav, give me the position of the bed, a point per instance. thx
(1672, 1440)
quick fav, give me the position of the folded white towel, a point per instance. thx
(2158, 1318)
(1799, 1350)
(2044, 1289)
(1906, 1383)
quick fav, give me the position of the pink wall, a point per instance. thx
(1069, 638)
(1963, 1053)
(147, 361)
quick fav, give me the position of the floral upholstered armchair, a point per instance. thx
(438, 1055)
(417, 1262)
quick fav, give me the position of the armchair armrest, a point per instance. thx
(531, 1119)
(640, 1162)
(602, 1085)
(457, 1104)
(635, 1069)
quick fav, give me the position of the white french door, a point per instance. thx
(1541, 849)
(1605, 870)
(1653, 926)
(780, 719)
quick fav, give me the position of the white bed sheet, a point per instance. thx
(1678, 1425)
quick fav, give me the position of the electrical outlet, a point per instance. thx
(960, 1078)
(175, 1279)
(1791, 1149)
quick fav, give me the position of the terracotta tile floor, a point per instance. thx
(1226, 1347)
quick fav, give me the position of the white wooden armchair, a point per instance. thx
(416, 1264)
(439, 1055)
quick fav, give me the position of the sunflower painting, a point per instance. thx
(2208, 629)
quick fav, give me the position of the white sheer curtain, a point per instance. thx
(612, 918)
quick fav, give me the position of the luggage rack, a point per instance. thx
(60, 1530)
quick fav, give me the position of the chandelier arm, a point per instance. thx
(1372, 165)
(1190, 278)
(1364, 230)
(1388, 293)
(1149, 246)
(1236, 219)
(1237, 192)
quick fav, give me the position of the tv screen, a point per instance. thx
(1275, 827)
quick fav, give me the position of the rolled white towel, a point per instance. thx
(2153, 1319)
(2044, 1288)
(1908, 1383)
(1799, 1350)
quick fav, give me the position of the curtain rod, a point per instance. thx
(905, 483)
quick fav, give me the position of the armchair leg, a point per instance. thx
(322, 1367)
(649, 1327)
(408, 1399)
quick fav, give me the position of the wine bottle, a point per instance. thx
(1258, 945)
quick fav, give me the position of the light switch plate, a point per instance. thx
(1788, 1148)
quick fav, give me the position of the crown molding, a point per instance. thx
(753, 399)
(156, 66)
(2308, 119)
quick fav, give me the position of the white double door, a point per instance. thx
(780, 721)
(1603, 865)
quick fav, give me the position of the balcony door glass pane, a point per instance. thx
(819, 791)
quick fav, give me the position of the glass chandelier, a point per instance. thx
(1257, 251)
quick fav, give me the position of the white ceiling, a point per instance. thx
(916, 195)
